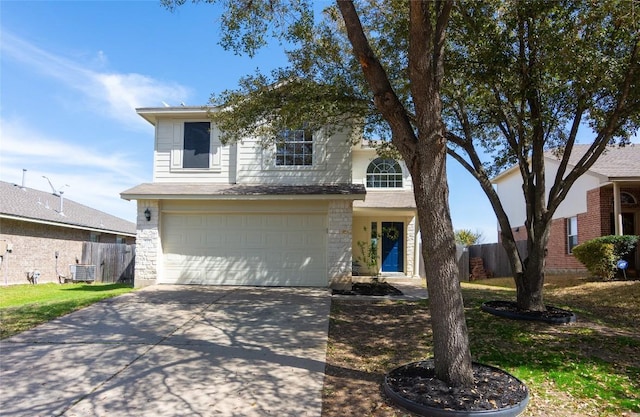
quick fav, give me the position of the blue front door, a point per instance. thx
(392, 246)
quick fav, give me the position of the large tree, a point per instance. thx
(518, 78)
(373, 63)
(539, 73)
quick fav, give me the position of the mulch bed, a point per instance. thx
(509, 309)
(493, 389)
(370, 288)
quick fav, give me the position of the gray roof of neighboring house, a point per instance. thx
(233, 191)
(615, 162)
(387, 200)
(37, 206)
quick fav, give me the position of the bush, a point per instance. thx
(622, 245)
(600, 255)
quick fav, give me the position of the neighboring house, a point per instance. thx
(41, 231)
(289, 214)
(603, 201)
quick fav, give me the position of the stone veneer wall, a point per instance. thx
(148, 246)
(339, 238)
(411, 248)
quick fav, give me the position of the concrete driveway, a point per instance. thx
(174, 351)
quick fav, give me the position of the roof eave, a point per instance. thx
(231, 197)
(152, 114)
(67, 225)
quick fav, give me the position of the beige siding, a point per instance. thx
(332, 163)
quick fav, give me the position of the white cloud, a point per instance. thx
(96, 178)
(116, 94)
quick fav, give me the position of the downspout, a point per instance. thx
(617, 210)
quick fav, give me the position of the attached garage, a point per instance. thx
(228, 234)
(244, 249)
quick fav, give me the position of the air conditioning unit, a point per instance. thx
(84, 273)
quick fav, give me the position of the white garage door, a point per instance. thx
(244, 249)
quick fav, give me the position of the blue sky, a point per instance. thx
(72, 73)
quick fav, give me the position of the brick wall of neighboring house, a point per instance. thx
(559, 260)
(34, 247)
(594, 223)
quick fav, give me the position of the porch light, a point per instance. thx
(147, 214)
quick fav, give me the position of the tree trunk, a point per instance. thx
(425, 155)
(450, 338)
(530, 283)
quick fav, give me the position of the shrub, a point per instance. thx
(600, 255)
(622, 245)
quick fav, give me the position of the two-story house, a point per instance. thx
(605, 200)
(288, 214)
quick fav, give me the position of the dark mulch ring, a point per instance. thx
(509, 309)
(370, 288)
(414, 387)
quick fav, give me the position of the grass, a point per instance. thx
(25, 306)
(590, 368)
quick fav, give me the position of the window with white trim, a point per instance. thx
(294, 148)
(572, 233)
(196, 147)
(384, 173)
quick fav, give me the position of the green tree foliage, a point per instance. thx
(493, 83)
(377, 68)
(466, 237)
(525, 78)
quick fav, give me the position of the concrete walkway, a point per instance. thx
(174, 351)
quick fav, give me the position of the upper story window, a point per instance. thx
(197, 145)
(294, 148)
(384, 173)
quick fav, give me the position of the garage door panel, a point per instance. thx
(244, 249)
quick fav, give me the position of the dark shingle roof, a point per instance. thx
(224, 191)
(39, 206)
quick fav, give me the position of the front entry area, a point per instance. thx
(392, 237)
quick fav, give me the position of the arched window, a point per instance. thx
(384, 173)
(627, 198)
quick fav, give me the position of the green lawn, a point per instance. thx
(589, 369)
(25, 306)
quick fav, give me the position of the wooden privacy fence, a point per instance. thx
(462, 259)
(114, 261)
(495, 258)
